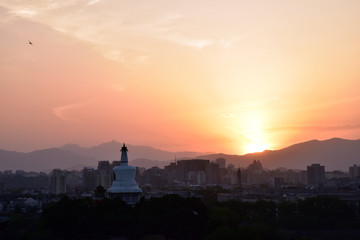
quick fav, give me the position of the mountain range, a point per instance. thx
(334, 154)
(111, 151)
(74, 157)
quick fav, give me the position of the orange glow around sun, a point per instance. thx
(254, 134)
(256, 147)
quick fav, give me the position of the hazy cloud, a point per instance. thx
(228, 115)
(117, 87)
(332, 102)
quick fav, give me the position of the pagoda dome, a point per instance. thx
(124, 180)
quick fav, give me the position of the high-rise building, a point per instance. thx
(58, 181)
(196, 177)
(222, 171)
(315, 174)
(104, 174)
(89, 178)
(354, 171)
(185, 166)
(74, 180)
(154, 177)
(276, 182)
(238, 174)
(221, 162)
(230, 177)
(194, 171)
(214, 174)
(255, 167)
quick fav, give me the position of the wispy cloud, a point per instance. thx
(36, 5)
(142, 59)
(24, 12)
(230, 42)
(170, 18)
(190, 42)
(116, 56)
(62, 112)
(93, 2)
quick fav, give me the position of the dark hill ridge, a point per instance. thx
(72, 156)
(334, 154)
(111, 151)
(43, 160)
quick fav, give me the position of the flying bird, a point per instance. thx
(30, 43)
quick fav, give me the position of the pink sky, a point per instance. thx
(219, 76)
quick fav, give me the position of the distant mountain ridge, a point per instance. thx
(335, 154)
(72, 156)
(43, 160)
(111, 151)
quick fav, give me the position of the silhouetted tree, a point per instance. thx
(100, 191)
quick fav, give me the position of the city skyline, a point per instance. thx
(336, 154)
(210, 76)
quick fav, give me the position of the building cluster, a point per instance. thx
(198, 172)
(183, 177)
(86, 180)
(255, 175)
(59, 181)
(179, 174)
(21, 180)
(187, 178)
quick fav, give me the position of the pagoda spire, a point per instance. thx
(124, 158)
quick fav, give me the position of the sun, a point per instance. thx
(249, 132)
(256, 138)
(256, 147)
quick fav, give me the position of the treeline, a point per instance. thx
(173, 217)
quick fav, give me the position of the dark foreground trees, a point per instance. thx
(173, 217)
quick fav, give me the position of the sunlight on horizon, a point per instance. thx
(256, 147)
(256, 139)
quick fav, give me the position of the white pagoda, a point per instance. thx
(124, 185)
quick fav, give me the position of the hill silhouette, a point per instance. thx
(43, 160)
(72, 156)
(334, 154)
(111, 151)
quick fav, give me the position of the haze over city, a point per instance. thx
(206, 76)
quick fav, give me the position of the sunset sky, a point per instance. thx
(205, 75)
